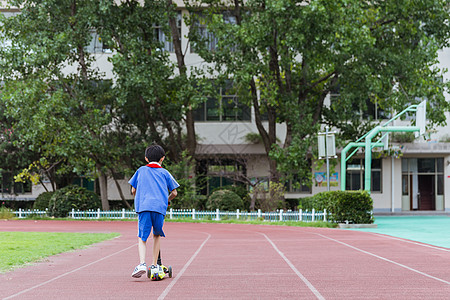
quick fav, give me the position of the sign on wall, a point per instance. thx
(321, 179)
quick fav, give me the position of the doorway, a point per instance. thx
(422, 184)
(426, 192)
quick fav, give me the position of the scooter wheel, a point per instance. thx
(170, 271)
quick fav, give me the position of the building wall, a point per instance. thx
(233, 133)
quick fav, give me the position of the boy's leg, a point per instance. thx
(157, 222)
(144, 228)
(142, 246)
(156, 247)
(140, 269)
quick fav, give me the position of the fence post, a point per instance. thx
(123, 213)
(300, 215)
(171, 213)
(281, 215)
(259, 213)
(217, 215)
(20, 213)
(73, 213)
(98, 213)
(313, 215)
(325, 215)
(193, 213)
(237, 214)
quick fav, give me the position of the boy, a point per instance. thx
(150, 186)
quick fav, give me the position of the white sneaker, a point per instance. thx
(154, 272)
(139, 270)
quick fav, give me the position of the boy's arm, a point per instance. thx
(133, 191)
(173, 194)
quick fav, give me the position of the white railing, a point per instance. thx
(280, 215)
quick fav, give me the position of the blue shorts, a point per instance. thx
(147, 220)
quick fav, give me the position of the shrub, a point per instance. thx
(271, 197)
(224, 200)
(306, 203)
(6, 213)
(42, 201)
(240, 190)
(72, 197)
(351, 206)
(184, 172)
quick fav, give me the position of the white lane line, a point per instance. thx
(386, 259)
(409, 241)
(68, 273)
(303, 278)
(172, 283)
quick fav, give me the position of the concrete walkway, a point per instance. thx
(433, 230)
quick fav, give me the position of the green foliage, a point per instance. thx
(352, 206)
(403, 137)
(184, 173)
(445, 138)
(240, 190)
(224, 200)
(59, 102)
(72, 197)
(6, 213)
(269, 197)
(253, 138)
(42, 201)
(290, 57)
(306, 203)
(259, 221)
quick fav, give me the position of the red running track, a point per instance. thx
(218, 261)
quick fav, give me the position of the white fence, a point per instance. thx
(280, 215)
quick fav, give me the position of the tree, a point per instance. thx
(286, 56)
(14, 156)
(157, 95)
(98, 127)
(53, 91)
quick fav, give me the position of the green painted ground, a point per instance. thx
(433, 230)
(19, 248)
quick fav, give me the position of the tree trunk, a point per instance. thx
(103, 183)
(190, 126)
(119, 189)
(124, 201)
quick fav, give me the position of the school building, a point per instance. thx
(418, 180)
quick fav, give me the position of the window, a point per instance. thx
(226, 108)
(296, 185)
(5, 183)
(84, 182)
(9, 186)
(355, 175)
(207, 37)
(372, 109)
(164, 39)
(222, 173)
(96, 44)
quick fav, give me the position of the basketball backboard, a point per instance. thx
(421, 118)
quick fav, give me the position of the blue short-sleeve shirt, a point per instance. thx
(152, 186)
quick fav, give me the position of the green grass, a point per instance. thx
(19, 248)
(224, 221)
(258, 222)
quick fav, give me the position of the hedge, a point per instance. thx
(72, 197)
(346, 206)
(224, 200)
(42, 201)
